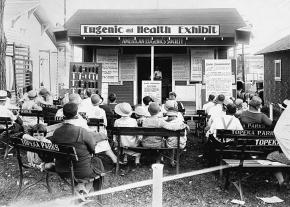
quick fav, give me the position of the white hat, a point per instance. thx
(123, 109)
(170, 104)
(285, 103)
(3, 95)
(141, 111)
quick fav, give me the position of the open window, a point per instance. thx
(277, 70)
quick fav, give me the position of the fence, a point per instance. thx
(157, 183)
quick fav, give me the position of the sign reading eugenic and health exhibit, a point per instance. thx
(218, 77)
(152, 89)
(143, 30)
(109, 60)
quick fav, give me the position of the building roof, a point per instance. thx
(280, 45)
(228, 18)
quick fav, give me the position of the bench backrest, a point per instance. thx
(95, 122)
(4, 120)
(247, 142)
(25, 112)
(56, 150)
(146, 131)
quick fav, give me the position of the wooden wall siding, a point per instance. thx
(276, 91)
(124, 92)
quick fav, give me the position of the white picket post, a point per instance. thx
(271, 111)
(157, 185)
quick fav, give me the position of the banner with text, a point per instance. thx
(218, 77)
(109, 60)
(143, 30)
(152, 89)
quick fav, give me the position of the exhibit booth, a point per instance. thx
(153, 52)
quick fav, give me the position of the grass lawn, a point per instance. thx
(200, 190)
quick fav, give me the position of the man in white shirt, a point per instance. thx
(209, 104)
(87, 101)
(217, 110)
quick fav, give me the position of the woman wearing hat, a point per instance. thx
(125, 110)
(45, 97)
(31, 104)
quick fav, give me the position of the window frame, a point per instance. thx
(275, 69)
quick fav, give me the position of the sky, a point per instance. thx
(269, 18)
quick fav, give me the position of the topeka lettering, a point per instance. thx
(253, 132)
(42, 145)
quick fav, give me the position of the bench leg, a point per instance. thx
(238, 186)
(47, 182)
(177, 161)
(98, 185)
(227, 179)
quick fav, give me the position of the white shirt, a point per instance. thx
(86, 102)
(208, 106)
(215, 112)
(218, 123)
(282, 132)
(127, 140)
(96, 112)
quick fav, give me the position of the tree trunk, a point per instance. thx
(2, 48)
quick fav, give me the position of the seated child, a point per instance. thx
(37, 133)
(140, 115)
(172, 120)
(125, 111)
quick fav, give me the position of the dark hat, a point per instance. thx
(147, 100)
(220, 98)
(70, 110)
(285, 103)
(153, 108)
(172, 94)
(43, 92)
(231, 108)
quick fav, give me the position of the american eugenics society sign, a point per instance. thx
(143, 30)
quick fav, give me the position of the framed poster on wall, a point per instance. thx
(85, 75)
(109, 60)
(218, 77)
(152, 89)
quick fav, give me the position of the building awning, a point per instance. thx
(228, 19)
(280, 45)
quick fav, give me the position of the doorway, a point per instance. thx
(163, 65)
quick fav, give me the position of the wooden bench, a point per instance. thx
(53, 151)
(245, 150)
(96, 122)
(200, 119)
(31, 113)
(133, 131)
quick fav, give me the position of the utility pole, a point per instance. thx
(243, 63)
(2, 48)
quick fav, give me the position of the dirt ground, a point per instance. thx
(200, 190)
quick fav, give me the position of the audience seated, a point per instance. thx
(125, 111)
(84, 141)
